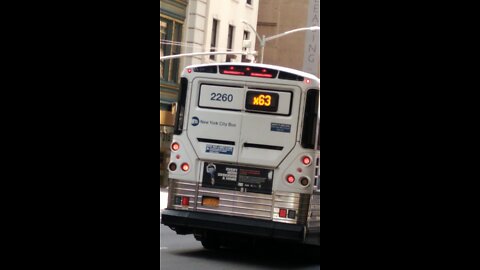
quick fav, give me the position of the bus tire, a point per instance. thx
(211, 243)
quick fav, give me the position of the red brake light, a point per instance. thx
(307, 81)
(254, 74)
(290, 178)
(233, 72)
(189, 70)
(185, 201)
(175, 146)
(185, 167)
(282, 212)
(306, 160)
(248, 71)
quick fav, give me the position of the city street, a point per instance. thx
(179, 252)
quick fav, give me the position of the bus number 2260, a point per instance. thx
(221, 97)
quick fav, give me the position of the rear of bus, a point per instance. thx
(243, 154)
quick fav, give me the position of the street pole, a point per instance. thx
(263, 47)
(260, 39)
(263, 40)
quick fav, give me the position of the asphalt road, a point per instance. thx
(179, 252)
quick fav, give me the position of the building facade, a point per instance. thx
(216, 25)
(300, 50)
(172, 20)
(198, 26)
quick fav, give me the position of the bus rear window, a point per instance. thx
(310, 119)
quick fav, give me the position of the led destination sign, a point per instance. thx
(262, 101)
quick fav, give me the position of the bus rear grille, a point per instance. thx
(242, 204)
(235, 203)
(215, 141)
(313, 220)
(263, 146)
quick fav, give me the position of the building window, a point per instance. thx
(246, 36)
(213, 43)
(170, 34)
(163, 48)
(175, 74)
(231, 31)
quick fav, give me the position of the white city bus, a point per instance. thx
(245, 155)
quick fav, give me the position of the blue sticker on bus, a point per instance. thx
(195, 121)
(278, 127)
(219, 149)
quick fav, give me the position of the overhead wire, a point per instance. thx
(184, 44)
(176, 43)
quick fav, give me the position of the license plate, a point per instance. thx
(210, 201)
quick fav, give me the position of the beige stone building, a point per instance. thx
(192, 26)
(216, 25)
(172, 20)
(279, 16)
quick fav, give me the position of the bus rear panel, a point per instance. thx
(245, 156)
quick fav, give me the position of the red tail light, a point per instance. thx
(175, 146)
(254, 74)
(185, 167)
(233, 72)
(306, 160)
(290, 178)
(282, 213)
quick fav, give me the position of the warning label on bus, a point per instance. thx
(219, 149)
(245, 179)
(278, 127)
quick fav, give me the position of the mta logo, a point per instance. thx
(195, 121)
